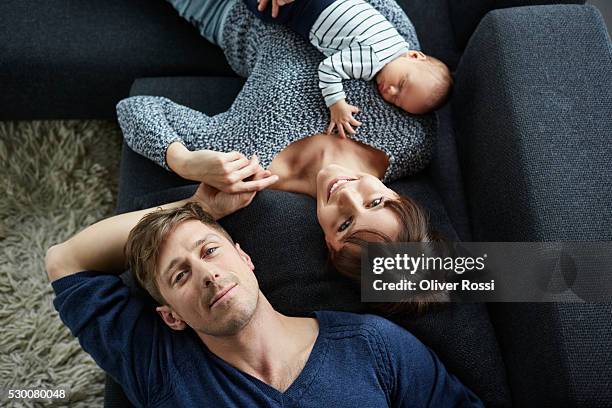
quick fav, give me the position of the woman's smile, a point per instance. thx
(336, 183)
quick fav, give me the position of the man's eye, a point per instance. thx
(345, 224)
(208, 251)
(179, 276)
(375, 203)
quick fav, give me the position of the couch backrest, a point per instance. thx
(466, 14)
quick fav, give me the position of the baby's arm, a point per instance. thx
(331, 75)
(356, 62)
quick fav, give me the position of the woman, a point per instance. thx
(278, 119)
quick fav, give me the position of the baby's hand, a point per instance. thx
(275, 5)
(342, 117)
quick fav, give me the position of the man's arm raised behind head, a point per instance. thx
(100, 247)
(100, 311)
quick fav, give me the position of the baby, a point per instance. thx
(360, 43)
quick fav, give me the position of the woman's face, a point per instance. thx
(349, 201)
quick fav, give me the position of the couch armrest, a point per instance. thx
(532, 109)
(75, 59)
(533, 117)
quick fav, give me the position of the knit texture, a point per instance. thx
(280, 102)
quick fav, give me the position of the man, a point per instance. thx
(216, 340)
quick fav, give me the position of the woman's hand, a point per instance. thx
(342, 118)
(224, 171)
(220, 204)
(275, 5)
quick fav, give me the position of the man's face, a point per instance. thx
(207, 282)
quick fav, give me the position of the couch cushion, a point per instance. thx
(431, 19)
(534, 137)
(77, 59)
(291, 258)
(445, 174)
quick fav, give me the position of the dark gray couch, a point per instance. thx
(523, 155)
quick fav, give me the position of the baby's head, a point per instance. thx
(415, 82)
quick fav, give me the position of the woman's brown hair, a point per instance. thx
(414, 227)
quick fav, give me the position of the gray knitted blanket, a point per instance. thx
(279, 103)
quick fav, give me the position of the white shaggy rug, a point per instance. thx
(56, 177)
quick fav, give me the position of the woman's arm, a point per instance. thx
(151, 123)
(224, 171)
(99, 247)
(173, 136)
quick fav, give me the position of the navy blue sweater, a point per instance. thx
(357, 360)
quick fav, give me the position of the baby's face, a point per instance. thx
(405, 82)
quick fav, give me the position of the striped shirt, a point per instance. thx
(357, 41)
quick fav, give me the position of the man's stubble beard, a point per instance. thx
(244, 315)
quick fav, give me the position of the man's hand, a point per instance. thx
(226, 171)
(342, 118)
(275, 5)
(220, 204)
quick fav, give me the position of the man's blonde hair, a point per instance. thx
(146, 238)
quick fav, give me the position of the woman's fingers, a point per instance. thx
(231, 156)
(247, 171)
(256, 185)
(261, 173)
(262, 4)
(236, 164)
